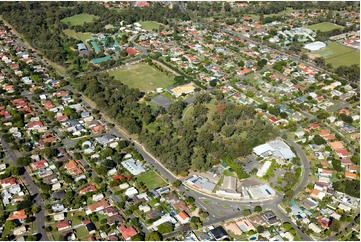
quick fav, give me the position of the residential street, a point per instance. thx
(33, 190)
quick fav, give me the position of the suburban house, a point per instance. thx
(18, 215)
(63, 225)
(90, 226)
(96, 207)
(127, 233)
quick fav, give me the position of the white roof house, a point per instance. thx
(130, 192)
(133, 167)
(314, 228)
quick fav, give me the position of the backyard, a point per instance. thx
(338, 55)
(151, 180)
(143, 76)
(79, 19)
(324, 27)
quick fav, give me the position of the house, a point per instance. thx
(95, 207)
(350, 175)
(180, 206)
(90, 188)
(110, 211)
(7, 182)
(133, 167)
(324, 172)
(245, 225)
(130, 192)
(232, 227)
(337, 145)
(58, 207)
(97, 197)
(219, 233)
(38, 165)
(271, 218)
(342, 153)
(116, 219)
(73, 169)
(183, 217)
(314, 228)
(18, 215)
(317, 194)
(90, 226)
(132, 51)
(127, 233)
(63, 225)
(324, 222)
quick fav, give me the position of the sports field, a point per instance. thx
(79, 19)
(339, 55)
(324, 27)
(151, 180)
(143, 76)
(82, 36)
(149, 25)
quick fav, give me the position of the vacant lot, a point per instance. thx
(150, 25)
(82, 36)
(79, 19)
(338, 55)
(324, 27)
(143, 76)
(151, 180)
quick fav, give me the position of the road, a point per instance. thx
(305, 165)
(40, 223)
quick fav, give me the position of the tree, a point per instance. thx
(35, 209)
(31, 238)
(287, 226)
(177, 183)
(165, 228)
(138, 237)
(246, 212)
(335, 225)
(260, 229)
(213, 83)
(49, 152)
(154, 236)
(258, 209)
(319, 140)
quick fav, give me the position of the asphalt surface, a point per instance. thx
(40, 223)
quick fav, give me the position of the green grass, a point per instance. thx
(79, 19)
(324, 27)
(151, 180)
(143, 76)
(82, 232)
(341, 55)
(149, 25)
(81, 36)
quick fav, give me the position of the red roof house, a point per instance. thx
(127, 233)
(131, 51)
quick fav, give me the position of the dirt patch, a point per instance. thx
(313, 56)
